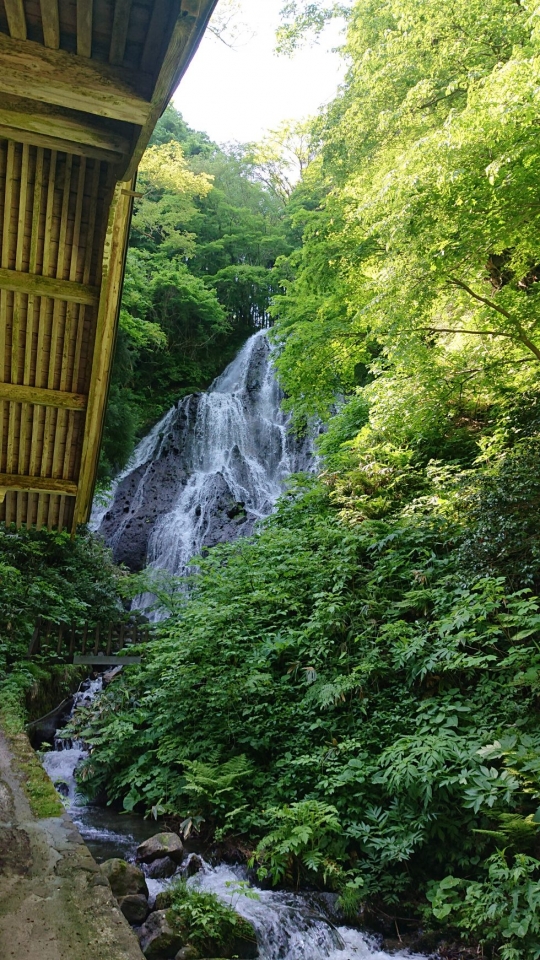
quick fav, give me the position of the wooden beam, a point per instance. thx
(122, 10)
(54, 143)
(19, 114)
(20, 393)
(109, 304)
(53, 76)
(50, 22)
(10, 481)
(84, 27)
(39, 286)
(186, 36)
(16, 18)
(155, 36)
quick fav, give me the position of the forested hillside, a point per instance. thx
(200, 275)
(351, 697)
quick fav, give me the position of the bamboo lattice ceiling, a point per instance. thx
(82, 84)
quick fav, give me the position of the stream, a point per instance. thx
(289, 926)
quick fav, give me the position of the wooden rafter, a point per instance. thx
(39, 286)
(51, 23)
(16, 18)
(84, 27)
(53, 76)
(122, 10)
(18, 393)
(55, 122)
(9, 481)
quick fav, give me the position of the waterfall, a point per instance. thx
(212, 467)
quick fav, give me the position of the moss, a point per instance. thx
(42, 797)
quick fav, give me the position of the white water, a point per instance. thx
(233, 450)
(106, 832)
(288, 926)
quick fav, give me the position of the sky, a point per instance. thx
(238, 94)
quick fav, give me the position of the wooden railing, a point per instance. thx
(105, 643)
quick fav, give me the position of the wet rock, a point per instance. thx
(244, 945)
(161, 869)
(188, 953)
(158, 939)
(164, 900)
(193, 865)
(134, 907)
(125, 878)
(160, 846)
(240, 413)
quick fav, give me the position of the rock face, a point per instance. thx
(204, 475)
(158, 939)
(125, 878)
(135, 908)
(161, 846)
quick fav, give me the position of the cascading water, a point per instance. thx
(208, 471)
(105, 832)
(288, 926)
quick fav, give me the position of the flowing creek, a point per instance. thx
(212, 467)
(289, 926)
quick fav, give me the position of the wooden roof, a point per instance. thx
(82, 84)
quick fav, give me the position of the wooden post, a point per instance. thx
(85, 637)
(109, 639)
(121, 637)
(96, 644)
(60, 638)
(72, 640)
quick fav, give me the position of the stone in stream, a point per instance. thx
(158, 939)
(135, 908)
(161, 869)
(125, 878)
(162, 845)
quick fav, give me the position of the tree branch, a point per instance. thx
(521, 332)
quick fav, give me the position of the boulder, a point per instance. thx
(163, 900)
(135, 908)
(124, 878)
(193, 865)
(162, 845)
(158, 939)
(161, 869)
(188, 953)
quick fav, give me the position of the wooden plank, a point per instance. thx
(55, 143)
(155, 37)
(54, 122)
(84, 27)
(50, 485)
(113, 266)
(40, 286)
(186, 36)
(22, 393)
(50, 22)
(16, 18)
(54, 76)
(122, 10)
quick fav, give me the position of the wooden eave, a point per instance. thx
(82, 85)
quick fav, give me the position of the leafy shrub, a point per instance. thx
(305, 841)
(207, 923)
(502, 911)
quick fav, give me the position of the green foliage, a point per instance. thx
(501, 911)
(207, 923)
(302, 841)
